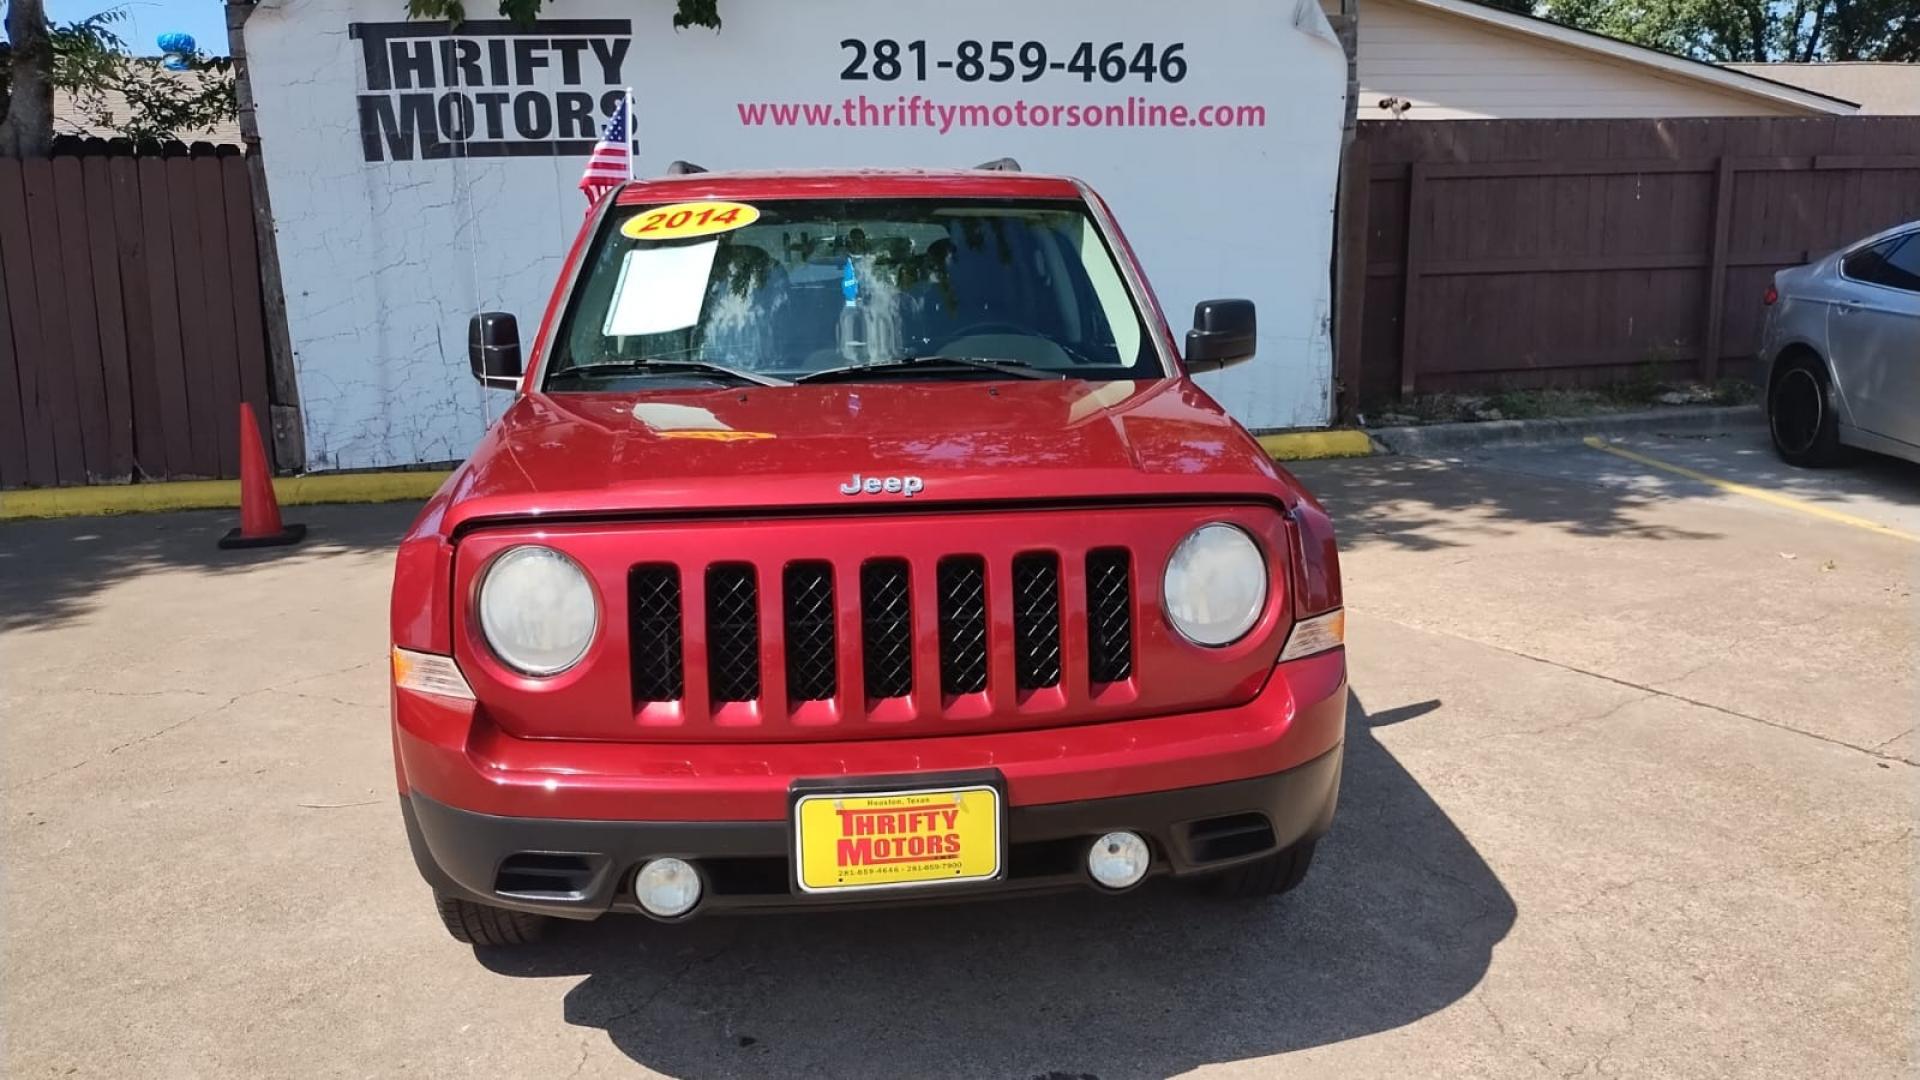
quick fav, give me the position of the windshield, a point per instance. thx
(798, 287)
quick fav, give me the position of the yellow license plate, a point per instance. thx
(844, 842)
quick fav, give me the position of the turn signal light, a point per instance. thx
(1316, 635)
(1770, 297)
(429, 673)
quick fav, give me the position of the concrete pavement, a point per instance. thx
(1628, 793)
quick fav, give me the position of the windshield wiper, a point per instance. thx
(1018, 369)
(666, 365)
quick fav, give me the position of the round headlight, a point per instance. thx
(1216, 585)
(537, 610)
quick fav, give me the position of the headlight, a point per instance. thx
(537, 610)
(1216, 585)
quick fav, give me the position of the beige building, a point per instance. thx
(1457, 60)
(82, 117)
(1881, 89)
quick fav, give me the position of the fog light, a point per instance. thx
(667, 887)
(1119, 860)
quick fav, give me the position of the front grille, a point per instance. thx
(816, 607)
(733, 633)
(1109, 615)
(813, 664)
(886, 628)
(653, 611)
(1036, 620)
(962, 581)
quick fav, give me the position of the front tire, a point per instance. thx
(1801, 414)
(482, 924)
(1269, 875)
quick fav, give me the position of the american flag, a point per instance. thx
(612, 162)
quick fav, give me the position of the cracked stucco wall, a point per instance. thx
(384, 261)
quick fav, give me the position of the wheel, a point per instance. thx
(1801, 414)
(1270, 875)
(481, 924)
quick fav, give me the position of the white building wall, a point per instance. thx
(387, 250)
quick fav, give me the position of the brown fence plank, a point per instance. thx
(57, 394)
(83, 322)
(1419, 223)
(170, 365)
(207, 423)
(13, 428)
(143, 384)
(34, 426)
(110, 313)
(1723, 193)
(243, 265)
(209, 195)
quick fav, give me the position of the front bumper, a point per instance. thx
(484, 809)
(582, 869)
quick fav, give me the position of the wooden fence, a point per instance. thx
(130, 316)
(1527, 253)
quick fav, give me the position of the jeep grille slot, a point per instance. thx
(886, 628)
(653, 606)
(812, 660)
(733, 633)
(1109, 615)
(962, 587)
(1036, 620)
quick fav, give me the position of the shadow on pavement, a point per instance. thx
(50, 570)
(1397, 920)
(1424, 505)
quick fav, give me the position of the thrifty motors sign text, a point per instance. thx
(491, 88)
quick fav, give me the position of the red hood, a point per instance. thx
(796, 446)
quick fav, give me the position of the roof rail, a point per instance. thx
(685, 168)
(1002, 164)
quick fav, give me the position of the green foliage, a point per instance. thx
(1731, 31)
(91, 62)
(688, 12)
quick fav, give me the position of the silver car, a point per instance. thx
(1840, 352)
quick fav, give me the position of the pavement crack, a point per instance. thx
(671, 982)
(1871, 751)
(1895, 739)
(1694, 887)
(135, 741)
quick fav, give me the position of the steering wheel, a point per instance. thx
(991, 326)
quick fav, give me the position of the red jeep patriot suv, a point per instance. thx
(859, 537)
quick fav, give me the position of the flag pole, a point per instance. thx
(633, 132)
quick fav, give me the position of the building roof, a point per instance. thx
(71, 117)
(1665, 64)
(1880, 88)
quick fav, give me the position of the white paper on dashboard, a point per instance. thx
(660, 289)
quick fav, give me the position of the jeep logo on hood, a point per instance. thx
(908, 486)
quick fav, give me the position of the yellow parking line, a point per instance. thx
(1751, 492)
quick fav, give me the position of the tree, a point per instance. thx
(688, 13)
(28, 125)
(1732, 31)
(89, 61)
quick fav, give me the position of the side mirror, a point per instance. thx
(493, 348)
(1223, 334)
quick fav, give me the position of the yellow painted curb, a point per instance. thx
(216, 494)
(1307, 445)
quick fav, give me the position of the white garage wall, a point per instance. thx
(387, 248)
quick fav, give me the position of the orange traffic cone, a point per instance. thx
(260, 524)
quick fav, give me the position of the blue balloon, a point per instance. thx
(177, 43)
